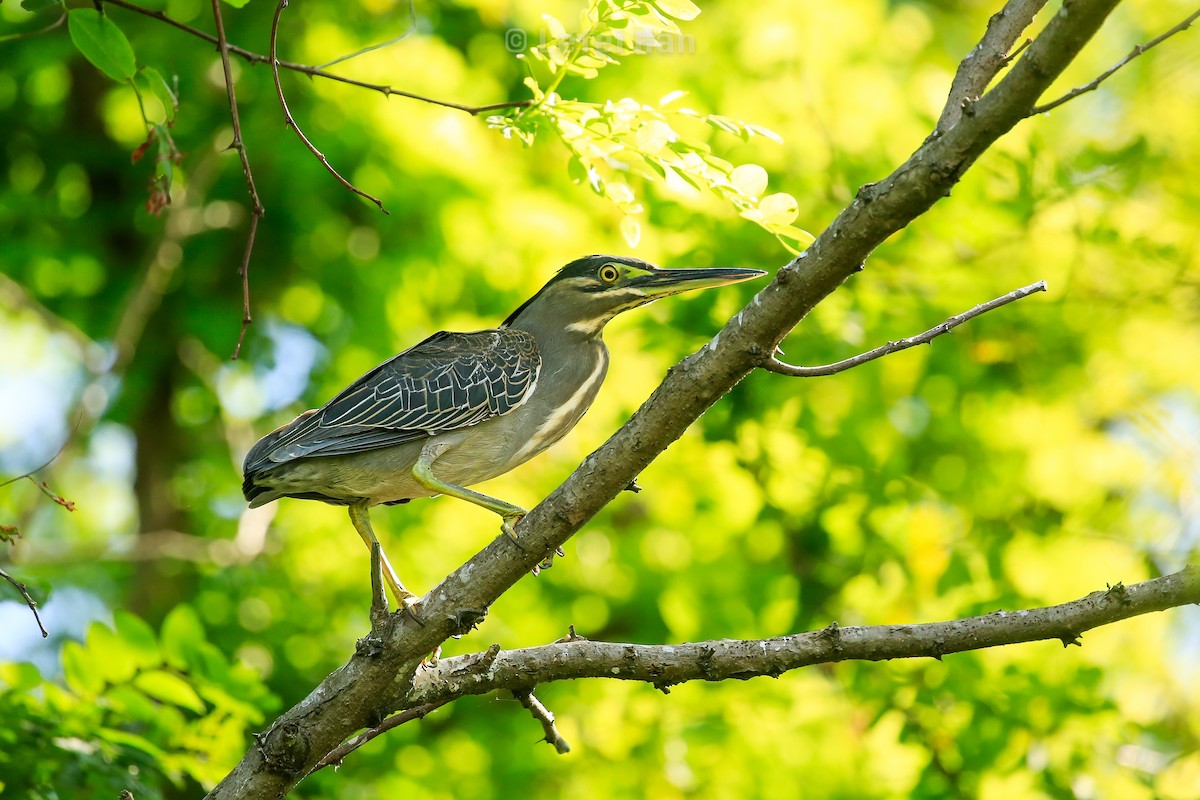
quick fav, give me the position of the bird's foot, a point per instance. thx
(548, 561)
(408, 605)
(431, 660)
(510, 522)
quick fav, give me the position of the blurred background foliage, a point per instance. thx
(1035, 455)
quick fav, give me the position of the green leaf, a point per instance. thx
(182, 637)
(168, 688)
(101, 42)
(236, 3)
(139, 639)
(34, 6)
(78, 671)
(109, 657)
(749, 179)
(149, 79)
(19, 676)
(679, 9)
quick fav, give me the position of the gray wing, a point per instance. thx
(447, 382)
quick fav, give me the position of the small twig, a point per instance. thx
(29, 601)
(314, 72)
(291, 121)
(256, 206)
(49, 461)
(545, 718)
(412, 27)
(335, 756)
(13, 37)
(1011, 57)
(1134, 53)
(774, 365)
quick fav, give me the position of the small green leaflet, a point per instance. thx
(101, 42)
(679, 9)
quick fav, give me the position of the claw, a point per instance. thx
(510, 520)
(408, 605)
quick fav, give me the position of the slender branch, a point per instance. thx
(545, 718)
(988, 57)
(725, 659)
(774, 365)
(29, 601)
(291, 121)
(256, 206)
(13, 37)
(337, 755)
(412, 27)
(314, 72)
(1103, 76)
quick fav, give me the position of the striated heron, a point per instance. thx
(460, 408)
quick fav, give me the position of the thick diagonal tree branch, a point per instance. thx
(375, 683)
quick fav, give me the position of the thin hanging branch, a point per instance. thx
(1103, 76)
(290, 120)
(775, 365)
(29, 601)
(545, 718)
(239, 144)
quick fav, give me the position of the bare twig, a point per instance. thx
(336, 756)
(13, 37)
(256, 206)
(314, 72)
(545, 718)
(775, 365)
(988, 57)
(412, 27)
(1103, 76)
(49, 461)
(291, 121)
(29, 601)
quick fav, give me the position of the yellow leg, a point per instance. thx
(422, 471)
(362, 523)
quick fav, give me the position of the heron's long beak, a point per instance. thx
(664, 282)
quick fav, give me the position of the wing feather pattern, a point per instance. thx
(447, 382)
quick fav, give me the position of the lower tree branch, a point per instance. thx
(667, 665)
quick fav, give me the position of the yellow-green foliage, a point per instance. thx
(1036, 454)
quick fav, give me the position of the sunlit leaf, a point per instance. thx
(749, 179)
(679, 9)
(168, 688)
(102, 43)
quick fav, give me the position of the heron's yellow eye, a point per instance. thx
(609, 273)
